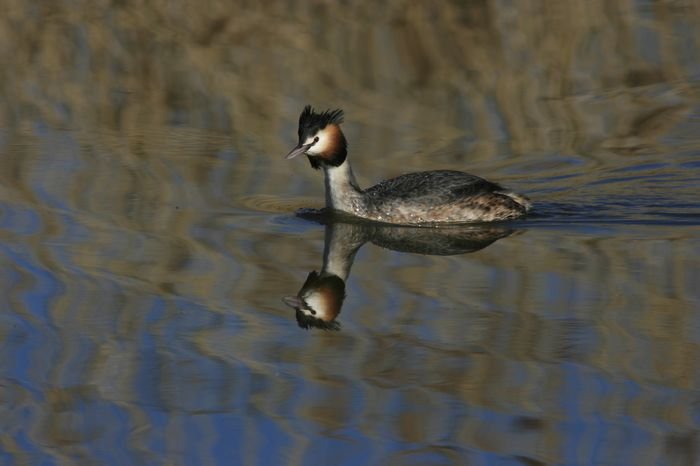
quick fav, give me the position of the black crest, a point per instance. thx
(306, 322)
(311, 121)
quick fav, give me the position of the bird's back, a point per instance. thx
(442, 195)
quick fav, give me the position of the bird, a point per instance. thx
(428, 197)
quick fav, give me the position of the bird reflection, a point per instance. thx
(320, 299)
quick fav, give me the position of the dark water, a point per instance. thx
(148, 235)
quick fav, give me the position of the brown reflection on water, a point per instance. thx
(146, 234)
(532, 76)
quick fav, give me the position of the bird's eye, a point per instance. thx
(316, 139)
(313, 313)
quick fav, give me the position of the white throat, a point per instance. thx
(342, 242)
(342, 191)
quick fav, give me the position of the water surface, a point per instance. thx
(148, 234)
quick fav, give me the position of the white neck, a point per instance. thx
(342, 191)
(342, 241)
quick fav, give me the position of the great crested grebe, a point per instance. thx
(436, 196)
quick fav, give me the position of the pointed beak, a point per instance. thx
(298, 150)
(293, 301)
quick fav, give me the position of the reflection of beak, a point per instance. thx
(300, 149)
(293, 301)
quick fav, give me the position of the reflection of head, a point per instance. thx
(319, 301)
